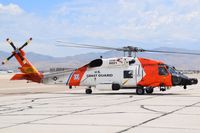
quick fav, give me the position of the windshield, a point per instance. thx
(172, 70)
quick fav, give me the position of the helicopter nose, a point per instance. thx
(190, 81)
(193, 81)
(183, 80)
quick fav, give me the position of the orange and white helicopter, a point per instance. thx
(129, 72)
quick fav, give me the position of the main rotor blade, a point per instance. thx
(11, 43)
(25, 44)
(125, 49)
(170, 52)
(7, 59)
(60, 45)
(79, 45)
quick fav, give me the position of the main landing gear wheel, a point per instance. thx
(149, 90)
(140, 91)
(88, 91)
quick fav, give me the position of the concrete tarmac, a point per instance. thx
(36, 108)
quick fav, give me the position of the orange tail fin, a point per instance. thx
(29, 72)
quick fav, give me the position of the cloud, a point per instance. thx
(131, 19)
(10, 9)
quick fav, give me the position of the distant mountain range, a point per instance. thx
(44, 62)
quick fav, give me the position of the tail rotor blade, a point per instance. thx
(10, 57)
(25, 44)
(11, 43)
(7, 59)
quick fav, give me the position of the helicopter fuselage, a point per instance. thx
(127, 72)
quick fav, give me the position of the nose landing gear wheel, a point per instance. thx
(140, 91)
(88, 91)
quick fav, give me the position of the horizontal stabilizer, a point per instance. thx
(32, 77)
(19, 77)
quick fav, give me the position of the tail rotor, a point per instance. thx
(17, 51)
(29, 72)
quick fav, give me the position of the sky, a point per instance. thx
(116, 23)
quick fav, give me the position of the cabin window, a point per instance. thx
(96, 63)
(162, 71)
(128, 74)
(131, 62)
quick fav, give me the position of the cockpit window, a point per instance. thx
(162, 71)
(172, 70)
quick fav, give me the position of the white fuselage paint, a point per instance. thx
(112, 71)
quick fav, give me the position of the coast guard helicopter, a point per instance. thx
(129, 72)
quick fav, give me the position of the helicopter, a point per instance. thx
(128, 72)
